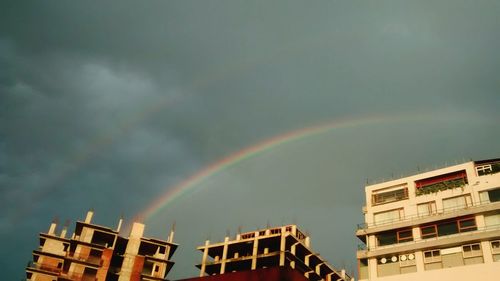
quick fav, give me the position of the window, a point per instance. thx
(458, 202)
(443, 228)
(488, 168)
(388, 216)
(432, 256)
(467, 224)
(427, 208)
(484, 170)
(495, 247)
(492, 220)
(471, 250)
(404, 236)
(428, 231)
(387, 196)
(394, 237)
(387, 238)
(490, 196)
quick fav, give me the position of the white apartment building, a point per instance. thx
(438, 225)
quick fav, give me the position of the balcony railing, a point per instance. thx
(420, 240)
(421, 216)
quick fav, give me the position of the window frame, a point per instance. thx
(471, 252)
(467, 228)
(431, 208)
(406, 239)
(404, 195)
(434, 234)
(495, 249)
(434, 258)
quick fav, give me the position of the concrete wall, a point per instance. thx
(483, 272)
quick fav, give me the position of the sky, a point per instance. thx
(108, 105)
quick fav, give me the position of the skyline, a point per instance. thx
(112, 106)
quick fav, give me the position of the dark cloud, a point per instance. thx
(115, 102)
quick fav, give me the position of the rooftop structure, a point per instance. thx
(285, 247)
(95, 252)
(438, 225)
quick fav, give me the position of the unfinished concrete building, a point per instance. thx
(284, 247)
(95, 252)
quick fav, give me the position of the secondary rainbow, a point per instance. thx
(190, 183)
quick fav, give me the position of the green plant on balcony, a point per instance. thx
(440, 186)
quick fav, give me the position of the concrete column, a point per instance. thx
(282, 247)
(134, 241)
(204, 259)
(88, 218)
(306, 259)
(255, 251)
(307, 242)
(416, 233)
(64, 232)
(419, 261)
(372, 242)
(52, 229)
(119, 227)
(292, 250)
(372, 268)
(318, 268)
(487, 254)
(224, 256)
(480, 221)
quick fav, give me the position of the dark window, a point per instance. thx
(405, 235)
(428, 231)
(387, 238)
(494, 195)
(468, 224)
(447, 228)
(444, 228)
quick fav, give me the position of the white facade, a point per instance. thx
(438, 225)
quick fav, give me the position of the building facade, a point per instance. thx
(97, 253)
(438, 225)
(284, 247)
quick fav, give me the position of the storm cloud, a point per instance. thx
(108, 105)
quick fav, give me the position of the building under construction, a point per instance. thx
(282, 248)
(97, 253)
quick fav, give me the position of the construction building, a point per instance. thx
(437, 225)
(283, 252)
(97, 253)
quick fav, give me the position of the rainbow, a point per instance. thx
(191, 182)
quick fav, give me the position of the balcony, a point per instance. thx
(441, 182)
(482, 233)
(405, 221)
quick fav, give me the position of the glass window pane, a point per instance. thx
(447, 228)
